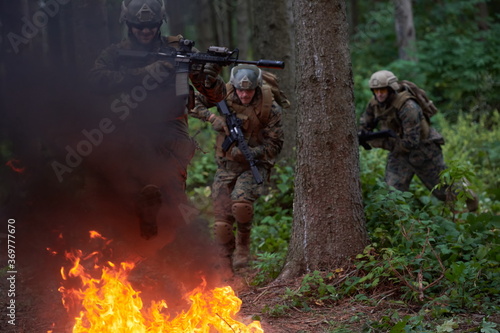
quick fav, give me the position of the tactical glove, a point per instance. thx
(218, 123)
(211, 72)
(238, 156)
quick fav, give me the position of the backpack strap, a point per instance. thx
(401, 99)
(266, 104)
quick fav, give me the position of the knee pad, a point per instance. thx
(223, 232)
(242, 211)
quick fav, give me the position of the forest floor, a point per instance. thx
(344, 316)
(39, 308)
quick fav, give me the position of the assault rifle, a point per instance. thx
(236, 135)
(186, 60)
(364, 137)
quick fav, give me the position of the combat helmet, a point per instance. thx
(143, 11)
(382, 79)
(246, 77)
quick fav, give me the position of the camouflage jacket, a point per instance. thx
(261, 124)
(401, 114)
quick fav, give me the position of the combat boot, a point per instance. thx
(148, 205)
(242, 253)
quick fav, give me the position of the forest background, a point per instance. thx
(434, 268)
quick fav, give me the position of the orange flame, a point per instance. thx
(12, 164)
(110, 304)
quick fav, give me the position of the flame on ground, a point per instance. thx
(109, 304)
(14, 165)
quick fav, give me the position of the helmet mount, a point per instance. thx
(137, 12)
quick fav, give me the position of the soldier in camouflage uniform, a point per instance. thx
(417, 148)
(234, 189)
(144, 93)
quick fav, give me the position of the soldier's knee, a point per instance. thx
(242, 211)
(223, 232)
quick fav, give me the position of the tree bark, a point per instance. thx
(353, 16)
(90, 20)
(405, 30)
(482, 17)
(205, 25)
(223, 19)
(243, 29)
(329, 223)
(273, 38)
(176, 13)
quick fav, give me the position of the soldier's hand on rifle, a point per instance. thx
(218, 123)
(238, 155)
(211, 72)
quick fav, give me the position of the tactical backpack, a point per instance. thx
(428, 107)
(279, 96)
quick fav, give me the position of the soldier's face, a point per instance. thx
(245, 96)
(381, 94)
(144, 34)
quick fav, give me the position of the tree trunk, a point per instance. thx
(483, 15)
(222, 11)
(205, 25)
(176, 16)
(90, 30)
(13, 45)
(353, 16)
(273, 38)
(243, 29)
(329, 225)
(405, 30)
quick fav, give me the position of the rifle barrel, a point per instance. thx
(264, 63)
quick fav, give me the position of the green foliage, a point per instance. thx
(315, 289)
(434, 259)
(421, 253)
(278, 310)
(268, 265)
(202, 169)
(273, 214)
(477, 145)
(459, 72)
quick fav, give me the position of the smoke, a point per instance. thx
(86, 156)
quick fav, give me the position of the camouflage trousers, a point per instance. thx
(232, 182)
(426, 162)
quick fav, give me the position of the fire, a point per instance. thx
(108, 303)
(14, 165)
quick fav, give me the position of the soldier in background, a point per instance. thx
(234, 189)
(157, 147)
(416, 149)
